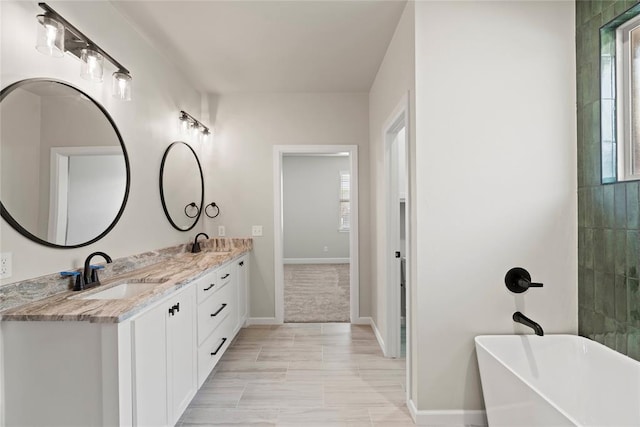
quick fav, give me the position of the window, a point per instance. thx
(345, 202)
(620, 97)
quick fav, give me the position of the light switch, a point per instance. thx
(256, 230)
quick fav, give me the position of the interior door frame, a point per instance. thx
(279, 151)
(398, 118)
(59, 184)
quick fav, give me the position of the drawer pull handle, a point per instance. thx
(225, 276)
(209, 287)
(219, 347)
(176, 307)
(241, 263)
(219, 310)
(171, 311)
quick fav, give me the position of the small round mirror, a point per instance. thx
(65, 171)
(181, 186)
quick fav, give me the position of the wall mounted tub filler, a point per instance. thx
(91, 271)
(518, 280)
(196, 245)
(521, 318)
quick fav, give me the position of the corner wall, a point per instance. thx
(495, 182)
(394, 82)
(148, 124)
(609, 218)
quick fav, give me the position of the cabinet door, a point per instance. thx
(181, 351)
(150, 368)
(243, 286)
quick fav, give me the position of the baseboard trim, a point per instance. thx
(453, 417)
(316, 260)
(262, 321)
(362, 321)
(383, 347)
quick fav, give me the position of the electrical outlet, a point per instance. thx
(325, 249)
(256, 230)
(5, 265)
(222, 231)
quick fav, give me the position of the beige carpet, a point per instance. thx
(316, 293)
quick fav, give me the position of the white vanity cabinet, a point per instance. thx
(164, 360)
(142, 371)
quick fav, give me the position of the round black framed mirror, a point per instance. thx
(181, 186)
(65, 173)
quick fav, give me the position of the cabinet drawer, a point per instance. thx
(214, 310)
(210, 351)
(207, 285)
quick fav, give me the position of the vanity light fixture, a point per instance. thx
(57, 36)
(187, 121)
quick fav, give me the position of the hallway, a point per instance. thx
(310, 374)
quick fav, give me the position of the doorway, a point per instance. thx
(316, 226)
(300, 248)
(398, 236)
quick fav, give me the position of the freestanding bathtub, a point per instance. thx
(557, 380)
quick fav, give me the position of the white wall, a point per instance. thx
(148, 124)
(495, 181)
(311, 207)
(395, 80)
(239, 175)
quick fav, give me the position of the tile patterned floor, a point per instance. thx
(316, 293)
(303, 374)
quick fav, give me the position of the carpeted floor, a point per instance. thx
(316, 293)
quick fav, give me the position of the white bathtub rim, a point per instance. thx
(543, 396)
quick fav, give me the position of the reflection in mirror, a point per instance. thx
(181, 186)
(65, 171)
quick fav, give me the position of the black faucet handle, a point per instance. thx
(79, 279)
(94, 272)
(518, 280)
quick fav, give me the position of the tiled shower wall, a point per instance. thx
(608, 215)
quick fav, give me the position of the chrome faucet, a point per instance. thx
(196, 245)
(91, 272)
(521, 318)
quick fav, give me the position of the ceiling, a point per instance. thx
(270, 46)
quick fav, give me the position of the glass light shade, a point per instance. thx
(121, 86)
(50, 37)
(91, 65)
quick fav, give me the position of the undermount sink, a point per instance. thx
(125, 290)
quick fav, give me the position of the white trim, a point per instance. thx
(278, 152)
(262, 321)
(378, 335)
(316, 260)
(449, 418)
(362, 321)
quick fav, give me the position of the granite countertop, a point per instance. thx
(168, 276)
